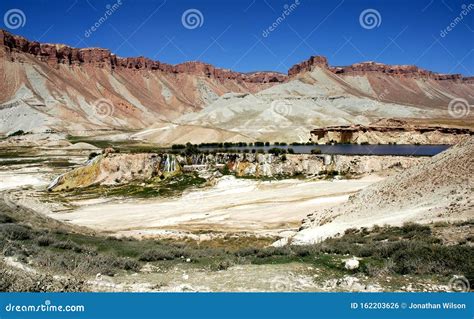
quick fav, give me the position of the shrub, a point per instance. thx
(15, 280)
(17, 133)
(410, 230)
(45, 240)
(15, 232)
(92, 155)
(277, 151)
(68, 245)
(5, 219)
(191, 149)
(162, 253)
(221, 265)
(128, 264)
(248, 251)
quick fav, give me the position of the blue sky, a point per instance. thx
(231, 33)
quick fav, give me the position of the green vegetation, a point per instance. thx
(58, 249)
(167, 187)
(17, 133)
(277, 151)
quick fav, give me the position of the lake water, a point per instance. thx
(354, 149)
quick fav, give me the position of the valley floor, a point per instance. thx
(206, 238)
(232, 205)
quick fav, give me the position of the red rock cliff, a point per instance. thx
(62, 54)
(373, 67)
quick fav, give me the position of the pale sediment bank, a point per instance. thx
(232, 205)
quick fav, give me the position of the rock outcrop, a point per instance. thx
(373, 67)
(308, 65)
(395, 70)
(115, 168)
(392, 131)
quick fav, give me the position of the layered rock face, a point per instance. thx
(61, 54)
(116, 169)
(52, 86)
(374, 67)
(268, 165)
(308, 65)
(384, 133)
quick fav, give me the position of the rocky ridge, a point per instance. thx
(373, 67)
(98, 57)
(54, 54)
(86, 91)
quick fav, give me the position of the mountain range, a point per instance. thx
(92, 91)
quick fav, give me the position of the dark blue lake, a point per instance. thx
(353, 149)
